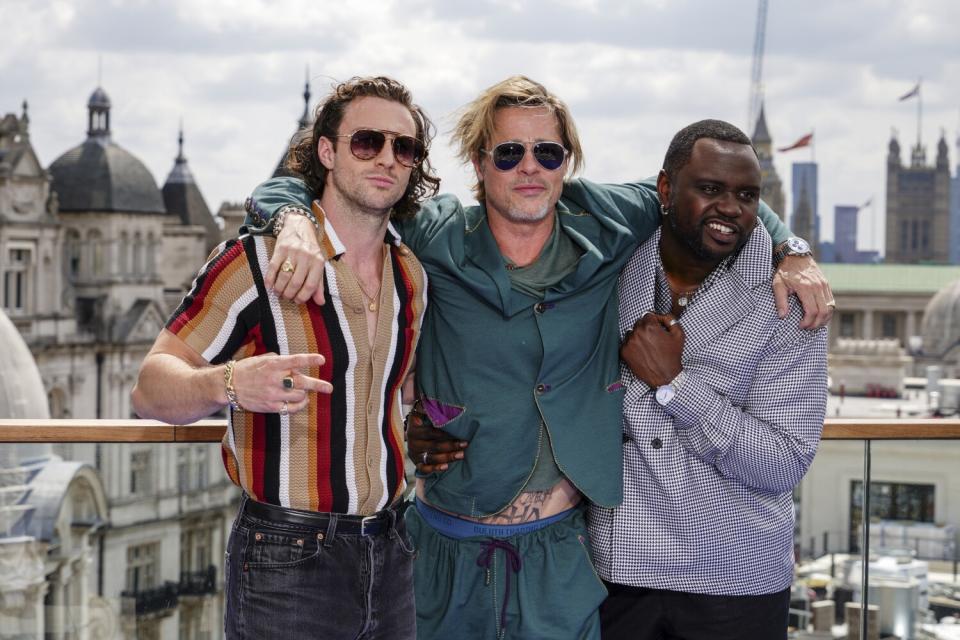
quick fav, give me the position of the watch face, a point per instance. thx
(665, 393)
(798, 245)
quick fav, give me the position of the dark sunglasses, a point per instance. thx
(366, 144)
(507, 155)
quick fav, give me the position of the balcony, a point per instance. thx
(198, 583)
(832, 529)
(156, 602)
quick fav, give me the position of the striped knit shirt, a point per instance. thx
(344, 452)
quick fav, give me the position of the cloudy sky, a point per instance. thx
(633, 72)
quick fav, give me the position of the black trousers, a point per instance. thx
(636, 613)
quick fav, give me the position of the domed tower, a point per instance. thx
(941, 330)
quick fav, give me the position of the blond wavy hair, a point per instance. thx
(475, 126)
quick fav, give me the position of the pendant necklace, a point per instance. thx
(371, 299)
(684, 297)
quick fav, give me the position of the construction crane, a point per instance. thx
(756, 74)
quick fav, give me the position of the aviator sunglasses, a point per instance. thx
(507, 155)
(366, 144)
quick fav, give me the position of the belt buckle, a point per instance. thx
(363, 524)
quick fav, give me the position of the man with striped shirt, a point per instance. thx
(315, 436)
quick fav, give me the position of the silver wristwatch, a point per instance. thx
(794, 246)
(666, 392)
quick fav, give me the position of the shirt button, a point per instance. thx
(403, 250)
(540, 307)
(358, 310)
(656, 443)
(370, 461)
(543, 388)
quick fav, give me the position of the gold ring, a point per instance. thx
(287, 382)
(287, 266)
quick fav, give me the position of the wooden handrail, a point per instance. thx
(86, 430)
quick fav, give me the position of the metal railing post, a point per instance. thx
(865, 547)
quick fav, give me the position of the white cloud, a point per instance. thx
(633, 73)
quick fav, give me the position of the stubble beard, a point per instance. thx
(693, 240)
(360, 203)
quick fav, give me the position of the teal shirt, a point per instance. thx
(495, 361)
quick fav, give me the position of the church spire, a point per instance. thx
(305, 120)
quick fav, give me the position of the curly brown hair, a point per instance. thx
(302, 159)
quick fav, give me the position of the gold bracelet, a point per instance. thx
(228, 385)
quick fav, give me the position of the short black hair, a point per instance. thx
(681, 147)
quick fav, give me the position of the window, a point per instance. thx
(138, 265)
(904, 235)
(914, 236)
(847, 325)
(141, 472)
(925, 238)
(183, 469)
(71, 255)
(890, 501)
(95, 247)
(123, 252)
(16, 275)
(192, 468)
(142, 567)
(888, 325)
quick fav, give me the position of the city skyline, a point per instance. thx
(632, 74)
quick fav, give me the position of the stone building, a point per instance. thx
(51, 515)
(918, 206)
(93, 256)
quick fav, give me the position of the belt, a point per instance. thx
(454, 527)
(380, 522)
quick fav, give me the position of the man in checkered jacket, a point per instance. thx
(722, 415)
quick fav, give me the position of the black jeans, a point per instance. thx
(657, 614)
(292, 581)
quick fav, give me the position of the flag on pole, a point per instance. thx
(802, 142)
(909, 94)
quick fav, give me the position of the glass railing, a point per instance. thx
(133, 545)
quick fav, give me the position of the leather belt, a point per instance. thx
(372, 525)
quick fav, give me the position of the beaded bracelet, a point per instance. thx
(282, 214)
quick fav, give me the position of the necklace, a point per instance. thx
(371, 300)
(684, 297)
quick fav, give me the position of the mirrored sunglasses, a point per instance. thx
(507, 155)
(366, 144)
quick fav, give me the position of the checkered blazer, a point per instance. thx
(708, 478)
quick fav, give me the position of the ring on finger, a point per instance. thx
(424, 457)
(287, 382)
(672, 322)
(287, 266)
(285, 409)
(831, 303)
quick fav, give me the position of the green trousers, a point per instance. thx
(537, 585)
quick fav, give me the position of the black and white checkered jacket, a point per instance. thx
(707, 478)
